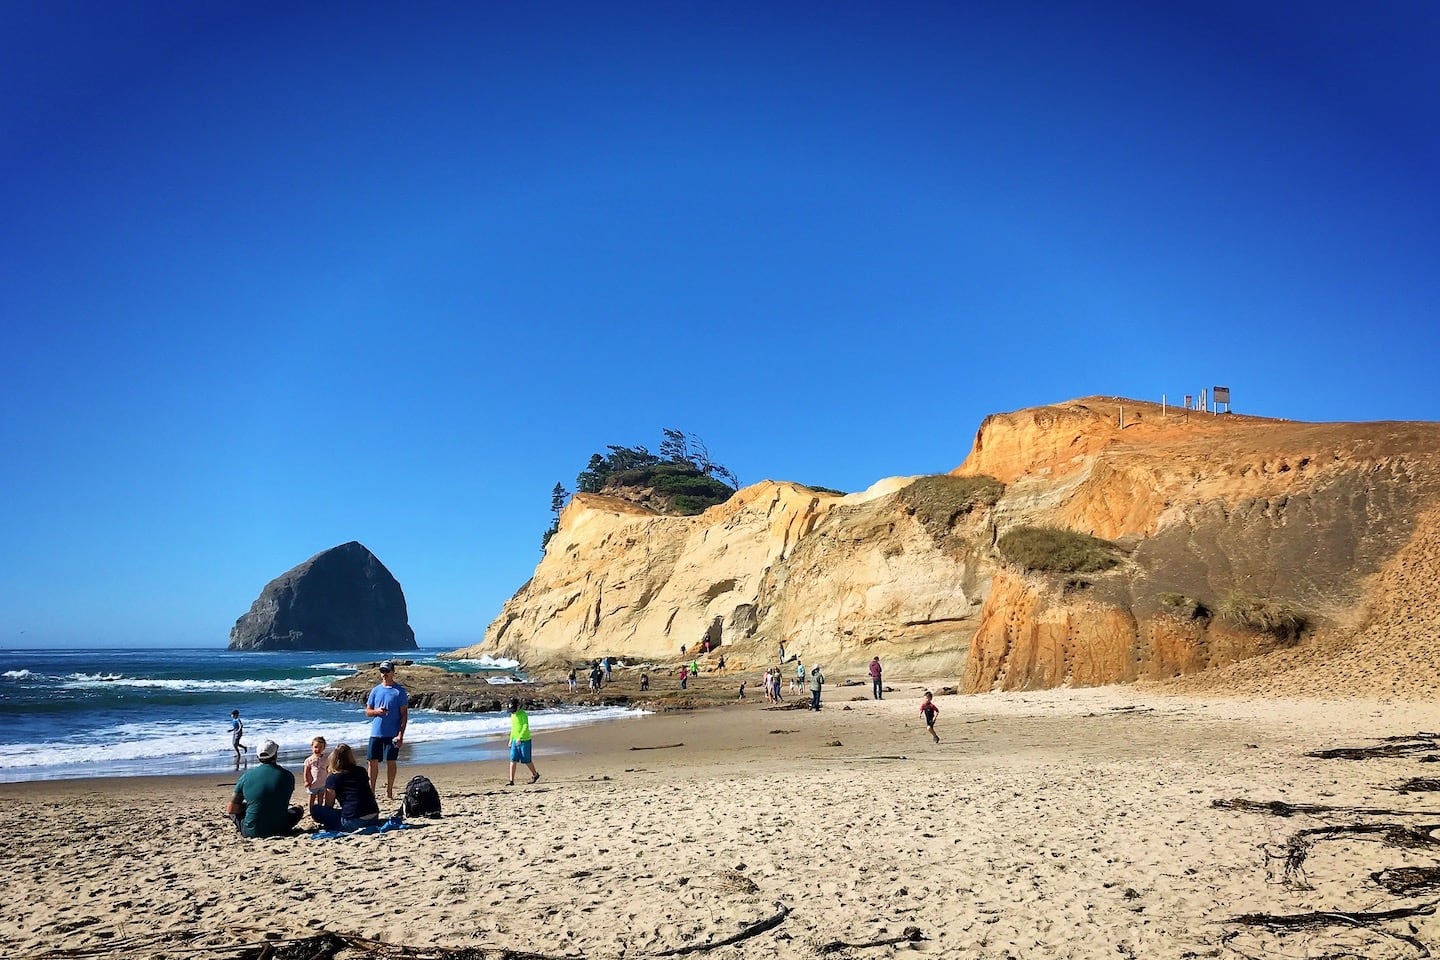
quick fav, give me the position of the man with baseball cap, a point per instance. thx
(388, 708)
(260, 804)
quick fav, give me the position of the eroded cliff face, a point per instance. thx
(1202, 508)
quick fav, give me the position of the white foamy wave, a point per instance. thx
(17, 674)
(335, 666)
(290, 686)
(487, 662)
(83, 678)
(169, 746)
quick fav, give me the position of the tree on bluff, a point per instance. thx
(682, 475)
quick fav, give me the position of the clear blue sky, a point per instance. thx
(273, 279)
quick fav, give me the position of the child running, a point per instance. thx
(237, 730)
(929, 711)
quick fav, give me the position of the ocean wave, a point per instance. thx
(170, 744)
(487, 662)
(17, 675)
(290, 686)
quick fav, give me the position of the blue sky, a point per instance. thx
(277, 278)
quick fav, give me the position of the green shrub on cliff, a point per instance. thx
(1186, 608)
(1051, 550)
(1266, 614)
(939, 501)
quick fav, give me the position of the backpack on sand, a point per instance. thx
(421, 799)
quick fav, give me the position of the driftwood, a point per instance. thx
(1389, 747)
(1405, 881)
(755, 929)
(1279, 808)
(667, 746)
(908, 935)
(1297, 848)
(1418, 785)
(320, 946)
(1367, 920)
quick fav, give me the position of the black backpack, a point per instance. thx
(421, 799)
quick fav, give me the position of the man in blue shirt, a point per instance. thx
(388, 708)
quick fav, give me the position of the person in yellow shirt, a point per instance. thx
(520, 742)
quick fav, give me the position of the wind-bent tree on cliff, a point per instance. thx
(681, 479)
(558, 496)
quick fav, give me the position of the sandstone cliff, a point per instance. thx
(1206, 514)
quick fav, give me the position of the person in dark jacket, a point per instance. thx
(348, 786)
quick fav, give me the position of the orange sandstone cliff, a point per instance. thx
(1212, 520)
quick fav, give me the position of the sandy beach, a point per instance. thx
(1058, 824)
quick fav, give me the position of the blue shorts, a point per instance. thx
(383, 748)
(520, 751)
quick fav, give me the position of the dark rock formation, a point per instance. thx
(340, 599)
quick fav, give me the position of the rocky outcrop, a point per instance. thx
(1208, 515)
(340, 599)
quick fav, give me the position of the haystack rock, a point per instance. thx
(1233, 539)
(340, 599)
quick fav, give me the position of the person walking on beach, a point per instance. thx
(878, 688)
(817, 680)
(571, 679)
(315, 771)
(929, 711)
(684, 676)
(520, 749)
(348, 786)
(260, 805)
(388, 708)
(798, 684)
(237, 730)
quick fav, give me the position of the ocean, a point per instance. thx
(139, 712)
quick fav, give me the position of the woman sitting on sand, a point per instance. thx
(349, 784)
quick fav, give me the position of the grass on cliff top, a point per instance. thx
(939, 501)
(1051, 550)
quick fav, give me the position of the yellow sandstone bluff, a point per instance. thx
(1291, 547)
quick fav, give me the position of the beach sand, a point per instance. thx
(1071, 823)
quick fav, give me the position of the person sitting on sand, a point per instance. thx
(260, 805)
(349, 785)
(929, 711)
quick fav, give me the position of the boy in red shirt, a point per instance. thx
(929, 711)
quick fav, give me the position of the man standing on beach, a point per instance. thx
(520, 749)
(878, 688)
(260, 804)
(817, 680)
(388, 706)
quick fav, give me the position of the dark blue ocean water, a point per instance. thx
(127, 712)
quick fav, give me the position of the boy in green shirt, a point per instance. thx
(520, 741)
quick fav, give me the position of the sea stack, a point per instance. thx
(340, 599)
